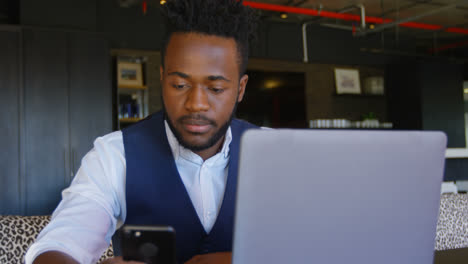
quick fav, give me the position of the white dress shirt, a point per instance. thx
(94, 205)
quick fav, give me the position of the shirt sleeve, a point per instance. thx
(91, 208)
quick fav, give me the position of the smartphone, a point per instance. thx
(149, 244)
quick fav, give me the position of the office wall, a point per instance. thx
(328, 45)
(65, 14)
(129, 28)
(125, 27)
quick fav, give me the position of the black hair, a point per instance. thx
(223, 18)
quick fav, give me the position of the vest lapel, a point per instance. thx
(226, 212)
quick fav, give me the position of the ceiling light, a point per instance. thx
(162, 2)
(284, 15)
(272, 84)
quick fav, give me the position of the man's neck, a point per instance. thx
(211, 151)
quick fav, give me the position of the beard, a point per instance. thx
(211, 141)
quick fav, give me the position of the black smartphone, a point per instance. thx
(149, 244)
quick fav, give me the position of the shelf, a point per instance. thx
(135, 87)
(347, 124)
(351, 128)
(130, 119)
(382, 96)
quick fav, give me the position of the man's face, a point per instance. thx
(201, 87)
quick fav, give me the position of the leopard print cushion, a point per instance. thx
(452, 226)
(17, 233)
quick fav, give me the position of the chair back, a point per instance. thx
(452, 225)
(17, 233)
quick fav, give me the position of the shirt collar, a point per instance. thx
(177, 149)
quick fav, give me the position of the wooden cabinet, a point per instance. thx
(46, 119)
(10, 183)
(90, 93)
(65, 86)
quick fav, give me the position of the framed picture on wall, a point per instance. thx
(129, 74)
(347, 81)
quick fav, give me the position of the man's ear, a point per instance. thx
(242, 85)
(161, 73)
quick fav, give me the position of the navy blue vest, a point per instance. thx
(156, 195)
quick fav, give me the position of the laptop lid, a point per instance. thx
(337, 196)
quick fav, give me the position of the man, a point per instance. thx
(179, 166)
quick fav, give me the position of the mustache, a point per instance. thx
(196, 119)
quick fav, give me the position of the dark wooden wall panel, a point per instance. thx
(90, 93)
(46, 119)
(456, 170)
(442, 100)
(9, 123)
(404, 96)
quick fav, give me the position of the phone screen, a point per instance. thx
(149, 244)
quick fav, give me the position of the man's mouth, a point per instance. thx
(196, 126)
(199, 129)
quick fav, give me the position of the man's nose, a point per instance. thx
(197, 100)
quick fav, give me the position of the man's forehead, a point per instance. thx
(201, 42)
(197, 54)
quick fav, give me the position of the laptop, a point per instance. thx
(338, 196)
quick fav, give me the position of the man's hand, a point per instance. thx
(52, 257)
(211, 258)
(119, 260)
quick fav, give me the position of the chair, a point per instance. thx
(452, 226)
(17, 233)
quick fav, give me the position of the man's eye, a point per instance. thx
(217, 90)
(179, 86)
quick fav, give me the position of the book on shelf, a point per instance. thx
(131, 106)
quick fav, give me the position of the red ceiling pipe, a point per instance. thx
(348, 17)
(144, 7)
(450, 46)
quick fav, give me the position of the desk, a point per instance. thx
(451, 256)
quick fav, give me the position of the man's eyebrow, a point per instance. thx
(180, 74)
(218, 78)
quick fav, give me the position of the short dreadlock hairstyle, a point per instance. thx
(223, 18)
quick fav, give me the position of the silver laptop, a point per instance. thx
(337, 197)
